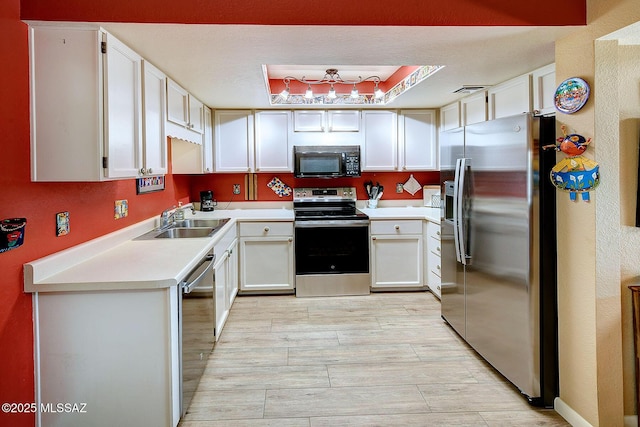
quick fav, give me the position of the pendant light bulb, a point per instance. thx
(332, 93)
(378, 92)
(309, 93)
(285, 93)
(354, 92)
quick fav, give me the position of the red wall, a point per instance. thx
(222, 185)
(296, 12)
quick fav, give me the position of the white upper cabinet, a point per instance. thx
(418, 144)
(153, 102)
(233, 141)
(274, 143)
(510, 98)
(185, 114)
(450, 116)
(544, 88)
(380, 140)
(86, 119)
(473, 108)
(309, 121)
(343, 121)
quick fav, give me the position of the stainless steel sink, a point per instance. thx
(185, 229)
(181, 233)
(192, 223)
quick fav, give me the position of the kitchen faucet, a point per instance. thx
(166, 218)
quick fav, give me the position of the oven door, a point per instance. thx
(332, 258)
(336, 247)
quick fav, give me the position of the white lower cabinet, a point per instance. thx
(433, 257)
(396, 254)
(112, 353)
(226, 278)
(266, 257)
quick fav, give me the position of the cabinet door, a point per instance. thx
(274, 148)
(418, 140)
(196, 115)
(155, 142)
(233, 141)
(232, 274)
(207, 142)
(123, 108)
(266, 263)
(474, 108)
(344, 121)
(380, 141)
(450, 116)
(177, 104)
(221, 301)
(510, 98)
(544, 89)
(309, 121)
(396, 261)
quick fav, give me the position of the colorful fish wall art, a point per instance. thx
(575, 174)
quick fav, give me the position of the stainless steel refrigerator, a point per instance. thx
(499, 247)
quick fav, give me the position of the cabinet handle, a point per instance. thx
(438, 232)
(397, 227)
(150, 171)
(373, 238)
(290, 239)
(142, 171)
(266, 229)
(438, 249)
(438, 267)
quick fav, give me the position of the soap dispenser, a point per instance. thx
(179, 215)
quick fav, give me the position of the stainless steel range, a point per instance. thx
(332, 243)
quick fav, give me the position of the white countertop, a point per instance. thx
(117, 262)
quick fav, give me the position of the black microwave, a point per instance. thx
(319, 161)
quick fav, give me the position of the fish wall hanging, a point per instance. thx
(575, 174)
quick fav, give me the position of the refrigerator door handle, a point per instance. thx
(456, 218)
(463, 164)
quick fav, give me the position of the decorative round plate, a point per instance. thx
(571, 95)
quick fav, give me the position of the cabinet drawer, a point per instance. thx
(433, 261)
(396, 227)
(434, 246)
(258, 229)
(224, 243)
(433, 230)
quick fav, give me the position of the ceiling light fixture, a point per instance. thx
(332, 78)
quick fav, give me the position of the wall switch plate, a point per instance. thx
(399, 187)
(236, 188)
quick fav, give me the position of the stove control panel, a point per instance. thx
(340, 193)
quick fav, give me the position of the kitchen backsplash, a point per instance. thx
(222, 184)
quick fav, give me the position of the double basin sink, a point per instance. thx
(186, 228)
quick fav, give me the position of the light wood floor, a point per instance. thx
(379, 360)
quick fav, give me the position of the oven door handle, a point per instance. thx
(329, 223)
(199, 272)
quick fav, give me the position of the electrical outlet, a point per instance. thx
(399, 187)
(236, 188)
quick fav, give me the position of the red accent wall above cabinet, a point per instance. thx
(296, 12)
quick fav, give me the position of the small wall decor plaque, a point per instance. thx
(149, 184)
(121, 209)
(62, 224)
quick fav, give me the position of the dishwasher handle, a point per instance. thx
(198, 273)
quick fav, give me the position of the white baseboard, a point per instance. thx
(569, 414)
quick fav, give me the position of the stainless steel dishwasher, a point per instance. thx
(196, 314)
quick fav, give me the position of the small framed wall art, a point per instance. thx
(149, 184)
